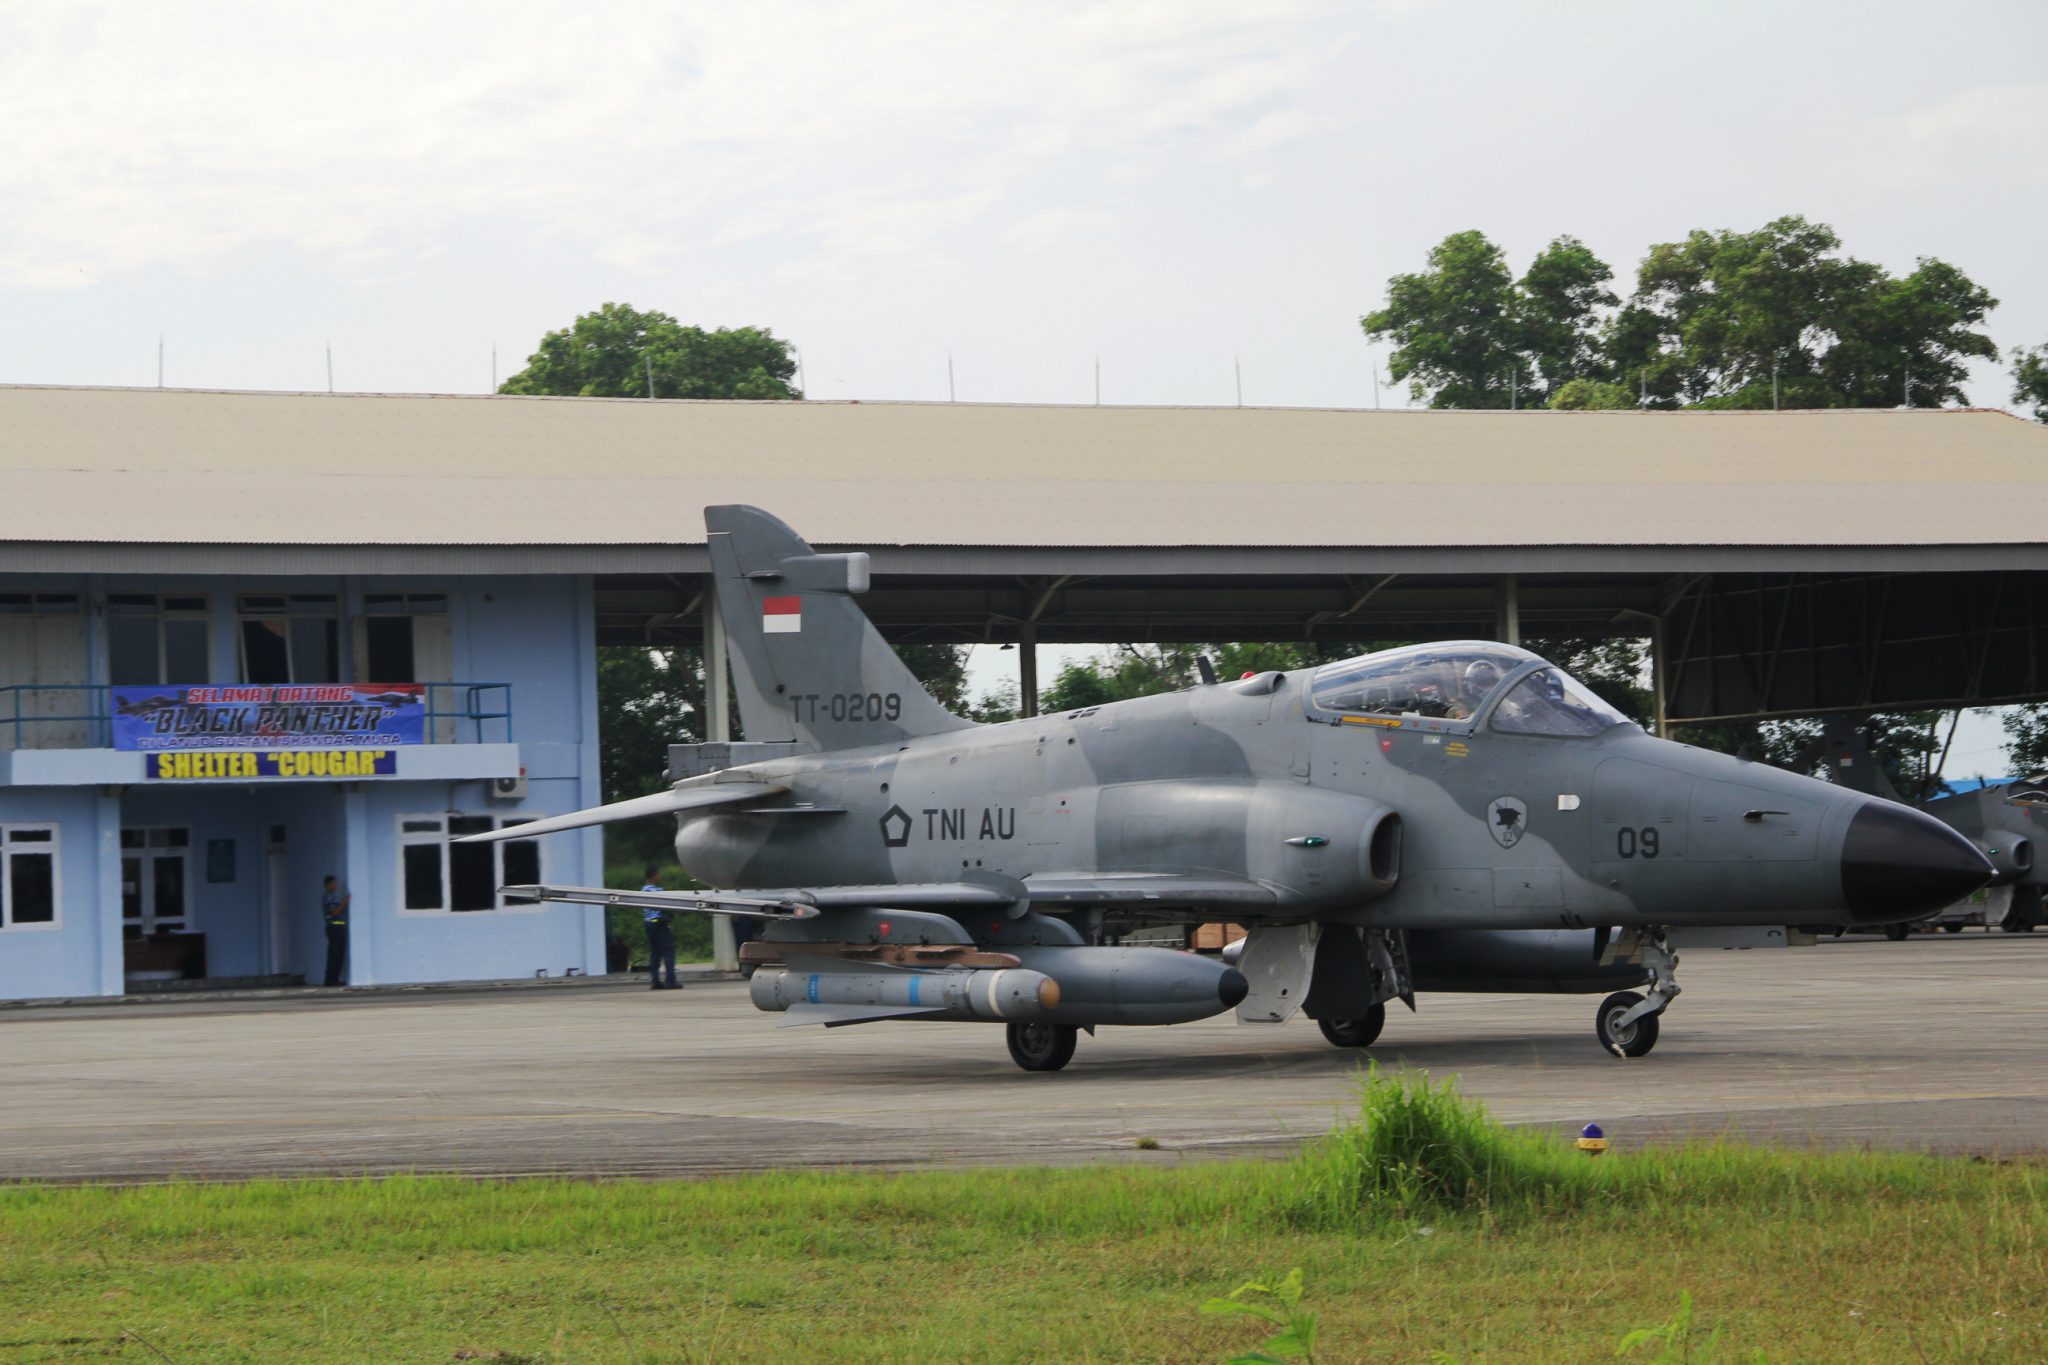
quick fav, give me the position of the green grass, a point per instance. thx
(1424, 1228)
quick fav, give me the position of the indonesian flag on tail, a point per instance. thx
(782, 615)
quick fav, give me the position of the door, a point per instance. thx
(277, 902)
(156, 881)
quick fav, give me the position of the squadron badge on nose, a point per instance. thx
(1506, 819)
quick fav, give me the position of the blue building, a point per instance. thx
(119, 865)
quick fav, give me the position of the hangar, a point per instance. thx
(457, 560)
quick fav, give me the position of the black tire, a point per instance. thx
(1041, 1047)
(1634, 1041)
(1897, 932)
(1355, 1032)
(1954, 926)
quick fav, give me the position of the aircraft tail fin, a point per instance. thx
(1852, 763)
(807, 664)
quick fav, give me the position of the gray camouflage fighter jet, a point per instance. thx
(1444, 817)
(2005, 821)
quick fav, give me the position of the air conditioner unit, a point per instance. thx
(508, 788)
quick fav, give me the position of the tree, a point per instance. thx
(2026, 738)
(1742, 319)
(621, 352)
(2030, 380)
(943, 671)
(1591, 395)
(1558, 309)
(1454, 326)
(1904, 340)
(647, 699)
(1470, 335)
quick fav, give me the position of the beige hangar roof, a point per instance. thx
(178, 467)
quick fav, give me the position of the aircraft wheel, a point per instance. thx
(1636, 1039)
(1897, 932)
(1952, 927)
(1042, 1047)
(1355, 1032)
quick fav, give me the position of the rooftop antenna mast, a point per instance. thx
(949, 379)
(1238, 368)
(494, 367)
(1098, 381)
(159, 359)
(330, 366)
(650, 374)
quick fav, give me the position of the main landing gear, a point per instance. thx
(1042, 1047)
(1627, 1022)
(1355, 1032)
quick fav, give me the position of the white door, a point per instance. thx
(156, 881)
(277, 902)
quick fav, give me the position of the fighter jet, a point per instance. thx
(1441, 817)
(2005, 821)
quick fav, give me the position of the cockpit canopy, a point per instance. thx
(1456, 681)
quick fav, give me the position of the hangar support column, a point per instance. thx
(1027, 669)
(1507, 611)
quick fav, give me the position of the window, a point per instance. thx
(152, 640)
(437, 874)
(394, 637)
(28, 876)
(290, 637)
(1550, 702)
(38, 604)
(43, 673)
(1448, 681)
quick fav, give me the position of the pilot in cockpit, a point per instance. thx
(1476, 681)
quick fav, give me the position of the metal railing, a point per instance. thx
(81, 715)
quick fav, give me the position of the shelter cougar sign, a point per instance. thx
(1460, 816)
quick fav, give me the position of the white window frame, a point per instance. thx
(51, 846)
(438, 838)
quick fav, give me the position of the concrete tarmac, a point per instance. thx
(1939, 1043)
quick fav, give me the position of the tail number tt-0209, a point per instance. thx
(846, 706)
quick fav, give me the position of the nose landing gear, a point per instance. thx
(1627, 1023)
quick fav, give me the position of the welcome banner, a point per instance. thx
(284, 716)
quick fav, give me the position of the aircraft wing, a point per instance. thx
(986, 890)
(1148, 888)
(670, 802)
(752, 905)
(791, 902)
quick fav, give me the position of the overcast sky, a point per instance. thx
(1174, 187)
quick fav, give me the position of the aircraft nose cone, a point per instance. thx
(1231, 988)
(1898, 864)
